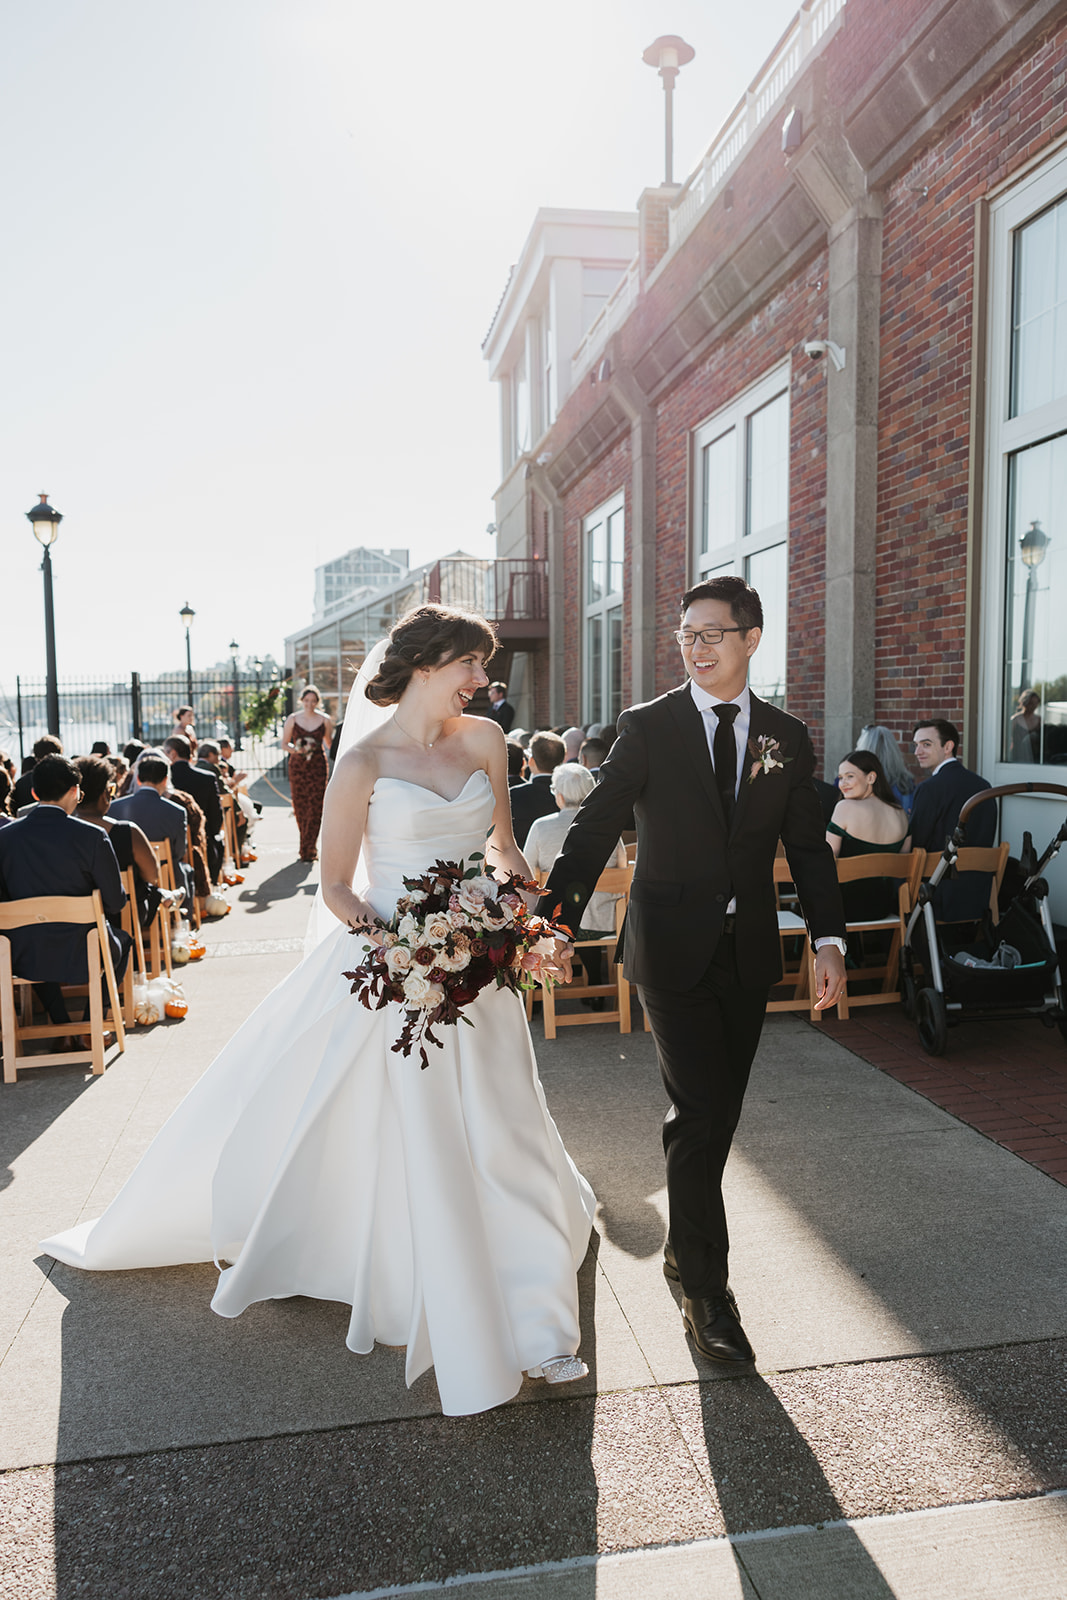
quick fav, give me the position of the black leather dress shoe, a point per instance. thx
(713, 1324)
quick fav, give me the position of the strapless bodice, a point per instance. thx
(409, 828)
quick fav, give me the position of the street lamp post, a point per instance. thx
(1032, 548)
(668, 54)
(237, 745)
(44, 520)
(187, 614)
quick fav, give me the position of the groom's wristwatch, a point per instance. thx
(838, 944)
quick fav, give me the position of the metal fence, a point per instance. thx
(120, 710)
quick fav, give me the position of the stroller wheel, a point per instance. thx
(932, 1020)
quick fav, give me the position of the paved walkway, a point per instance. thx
(902, 1276)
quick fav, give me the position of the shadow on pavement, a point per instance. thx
(308, 1497)
(281, 885)
(33, 1103)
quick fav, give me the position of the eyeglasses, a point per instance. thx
(687, 638)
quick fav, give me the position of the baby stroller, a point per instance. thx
(1007, 969)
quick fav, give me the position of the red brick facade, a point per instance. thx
(925, 363)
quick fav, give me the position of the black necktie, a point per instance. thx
(724, 755)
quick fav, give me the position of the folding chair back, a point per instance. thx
(907, 871)
(615, 881)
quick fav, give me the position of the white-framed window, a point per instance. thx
(603, 547)
(1023, 699)
(740, 501)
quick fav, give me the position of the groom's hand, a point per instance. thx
(830, 977)
(561, 962)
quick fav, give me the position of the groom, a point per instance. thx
(714, 777)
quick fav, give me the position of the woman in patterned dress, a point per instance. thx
(305, 739)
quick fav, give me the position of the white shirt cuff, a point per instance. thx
(838, 944)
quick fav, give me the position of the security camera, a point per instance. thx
(816, 349)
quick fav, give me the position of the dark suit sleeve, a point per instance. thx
(811, 861)
(593, 836)
(920, 818)
(104, 869)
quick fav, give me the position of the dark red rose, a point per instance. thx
(424, 955)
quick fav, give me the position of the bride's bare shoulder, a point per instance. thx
(359, 766)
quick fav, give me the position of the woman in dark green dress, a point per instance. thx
(867, 820)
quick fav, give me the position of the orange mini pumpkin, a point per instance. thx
(176, 1008)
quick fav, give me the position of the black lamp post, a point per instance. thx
(237, 745)
(668, 54)
(45, 520)
(187, 614)
(1032, 548)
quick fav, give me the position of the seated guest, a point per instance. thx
(183, 725)
(570, 784)
(936, 811)
(100, 748)
(158, 817)
(572, 742)
(131, 753)
(50, 852)
(7, 761)
(128, 841)
(194, 818)
(516, 763)
(866, 821)
(204, 788)
(535, 798)
(881, 743)
(6, 787)
(592, 753)
(46, 745)
(226, 763)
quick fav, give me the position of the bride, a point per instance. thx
(311, 1159)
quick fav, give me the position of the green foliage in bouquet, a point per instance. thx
(262, 708)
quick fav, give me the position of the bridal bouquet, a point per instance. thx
(456, 931)
(306, 747)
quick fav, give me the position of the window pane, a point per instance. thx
(615, 552)
(1039, 320)
(614, 664)
(595, 668)
(1035, 664)
(596, 571)
(767, 469)
(719, 492)
(301, 658)
(520, 384)
(324, 667)
(768, 573)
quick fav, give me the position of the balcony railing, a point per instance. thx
(511, 593)
(803, 35)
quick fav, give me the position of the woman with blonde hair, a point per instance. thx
(306, 737)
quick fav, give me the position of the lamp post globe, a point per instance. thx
(44, 520)
(1033, 547)
(187, 614)
(668, 54)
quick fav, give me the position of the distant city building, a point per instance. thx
(357, 571)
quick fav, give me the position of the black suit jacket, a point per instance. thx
(204, 788)
(530, 801)
(46, 852)
(934, 815)
(504, 713)
(689, 864)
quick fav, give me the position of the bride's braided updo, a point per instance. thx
(429, 636)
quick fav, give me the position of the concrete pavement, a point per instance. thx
(903, 1280)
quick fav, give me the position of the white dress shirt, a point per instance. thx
(705, 704)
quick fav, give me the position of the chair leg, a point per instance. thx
(9, 1033)
(624, 1001)
(96, 1003)
(548, 1009)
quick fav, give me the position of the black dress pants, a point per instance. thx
(706, 1038)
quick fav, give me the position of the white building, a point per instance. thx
(359, 571)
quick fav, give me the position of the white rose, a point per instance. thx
(398, 960)
(437, 930)
(455, 962)
(418, 991)
(407, 927)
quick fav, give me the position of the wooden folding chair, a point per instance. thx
(791, 926)
(170, 878)
(132, 924)
(16, 1024)
(229, 832)
(157, 955)
(908, 871)
(616, 881)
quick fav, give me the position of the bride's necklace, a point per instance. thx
(421, 742)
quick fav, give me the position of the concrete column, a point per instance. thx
(855, 251)
(642, 531)
(538, 479)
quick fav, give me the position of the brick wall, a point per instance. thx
(610, 474)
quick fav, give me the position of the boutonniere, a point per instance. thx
(767, 755)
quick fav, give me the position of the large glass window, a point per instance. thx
(1023, 700)
(741, 512)
(603, 539)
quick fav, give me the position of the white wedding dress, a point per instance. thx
(440, 1204)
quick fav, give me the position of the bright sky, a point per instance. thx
(253, 247)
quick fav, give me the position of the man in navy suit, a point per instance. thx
(50, 852)
(535, 798)
(936, 811)
(158, 817)
(500, 708)
(204, 788)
